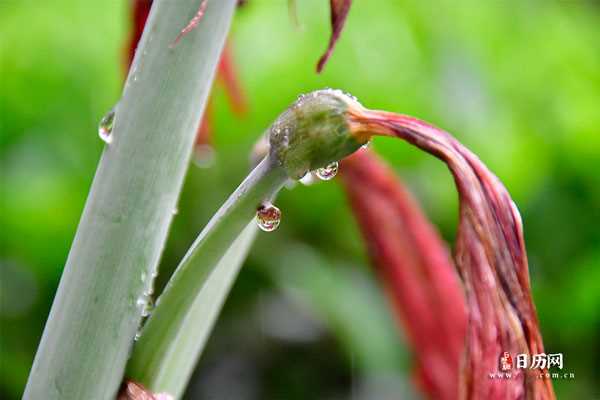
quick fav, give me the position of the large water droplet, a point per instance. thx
(328, 172)
(268, 217)
(106, 126)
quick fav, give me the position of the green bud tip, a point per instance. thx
(315, 131)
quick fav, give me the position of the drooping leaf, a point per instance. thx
(490, 256)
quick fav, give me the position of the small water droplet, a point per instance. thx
(204, 156)
(268, 217)
(137, 335)
(147, 311)
(309, 178)
(366, 145)
(350, 95)
(106, 126)
(175, 211)
(328, 172)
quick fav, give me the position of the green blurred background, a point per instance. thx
(517, 81)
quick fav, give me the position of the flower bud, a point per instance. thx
(314, 132)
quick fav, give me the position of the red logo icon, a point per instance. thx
(506, 362)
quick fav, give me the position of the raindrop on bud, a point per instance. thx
(268, 217)
(310, 178)
(328, 172)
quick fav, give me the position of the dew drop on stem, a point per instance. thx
(268, 217)
(328, 172)
(204, 156)
(106, 126)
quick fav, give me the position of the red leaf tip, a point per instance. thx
(339, 12)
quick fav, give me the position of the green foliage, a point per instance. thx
(518, 82)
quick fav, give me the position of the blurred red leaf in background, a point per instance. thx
(414, 266)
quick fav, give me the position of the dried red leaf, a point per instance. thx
(416, 268)
(339, 12)
(490, 257)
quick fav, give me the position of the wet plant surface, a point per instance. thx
(306, 306)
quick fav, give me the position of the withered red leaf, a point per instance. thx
(490, 257)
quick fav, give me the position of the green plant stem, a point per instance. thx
(94, 317)
(172, 339)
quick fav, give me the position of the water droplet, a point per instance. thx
(366, 145)
(147, 311)
(106, 126)
(175, 211)
(204, 156)
(268, 217)
(309, 178)
(137, 335)
(351, 96)
(146, 304)
(328, 172)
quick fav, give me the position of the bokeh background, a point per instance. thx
(517, 81)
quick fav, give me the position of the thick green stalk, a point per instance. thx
(174, 336)
(124, 225)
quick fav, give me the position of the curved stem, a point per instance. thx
(173, 337)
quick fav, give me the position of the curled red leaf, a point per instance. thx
(490, 257)
(416, 268)
(339, 12)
